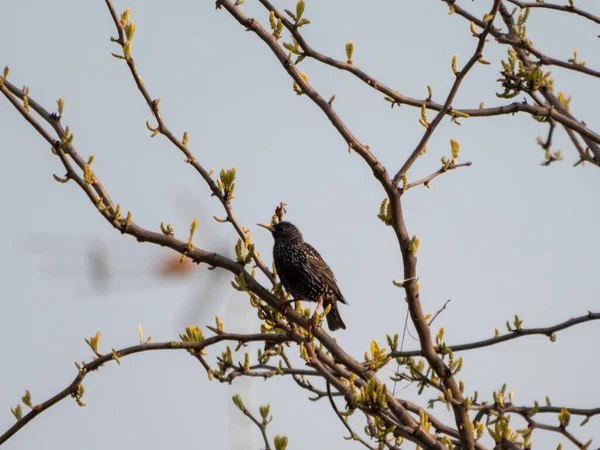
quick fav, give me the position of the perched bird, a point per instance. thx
(303, 272)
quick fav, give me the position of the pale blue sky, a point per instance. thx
(504, 236)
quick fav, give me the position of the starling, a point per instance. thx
(303, 272)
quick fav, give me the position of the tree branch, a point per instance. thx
(592, 142)
(460, 76)
(376, 84)
(153, 104)
(548, 60)
(564, 8)
(548, 331)
(98, 195)
(425, 181)
(556, 111)
(445, 375)
(329, 361)
(85, 369)
(101, 200)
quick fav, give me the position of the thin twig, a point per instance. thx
(439, 312)
(353, 435)
(262, 426)
(425, 181)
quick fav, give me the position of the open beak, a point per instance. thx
(268, 227)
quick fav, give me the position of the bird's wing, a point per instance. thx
(320, 266)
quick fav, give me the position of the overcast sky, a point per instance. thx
(505, 236)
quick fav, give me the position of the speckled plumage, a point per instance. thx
(303, 272)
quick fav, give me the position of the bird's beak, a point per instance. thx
(268, 227)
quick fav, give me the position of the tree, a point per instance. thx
(296, 347)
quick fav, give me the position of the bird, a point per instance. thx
(303, 272)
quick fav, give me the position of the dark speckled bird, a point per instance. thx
(303, 272)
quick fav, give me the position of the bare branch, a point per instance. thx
(376, 84)
(556, 111)
(153, 104)
(460, 76)
(565, 8)
(548, 331)
(425, 181)
(439, 312)
(358, 384)
(552, 100)
(85, 369)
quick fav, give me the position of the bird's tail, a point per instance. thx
(334, 320)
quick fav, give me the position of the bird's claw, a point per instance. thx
(283, 309)
(284, 306)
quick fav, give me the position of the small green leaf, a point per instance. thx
(26, 399)
(237, 400)
(17, 412)
(291, 14)
(264, 412)
(281, 442)
(300, 6)
(349, 51)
